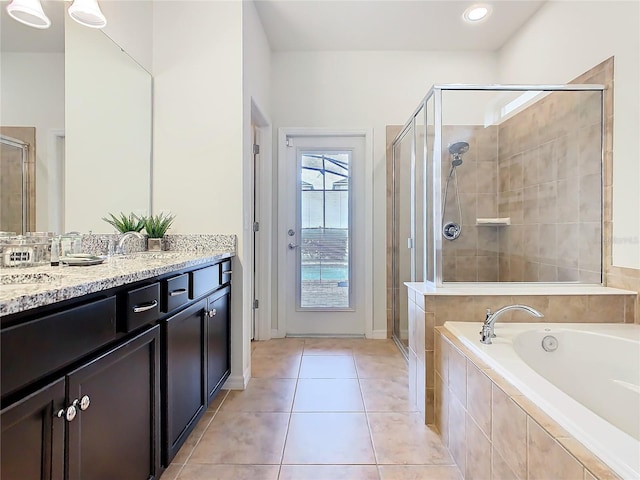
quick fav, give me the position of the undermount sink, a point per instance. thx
(20, 278)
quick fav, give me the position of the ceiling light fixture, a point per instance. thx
(28, 12)
(87, 13)
(476, 13)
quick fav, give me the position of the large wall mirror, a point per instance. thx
(83, 107)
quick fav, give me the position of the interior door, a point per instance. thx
(322, 235)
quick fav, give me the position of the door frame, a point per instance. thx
(282, 237)
(264, 261)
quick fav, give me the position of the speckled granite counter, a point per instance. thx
(45, 285)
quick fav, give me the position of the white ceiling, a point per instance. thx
(320, 25)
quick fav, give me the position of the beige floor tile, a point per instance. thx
(386, 394)
(217, 401)
(418, 472)
(229, 472)
(327, 366)
(328, 438)
(275, 366)
(328, 395)
(262, 395)
(381, 366)
(243, 438)
(328, 346)
(329, 472)
(403, 438)
(375, 347)
(278, 346)
(192, 440)
(171, 473)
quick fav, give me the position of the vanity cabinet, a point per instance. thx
(184, 375)
(106, 409)
(110, 384)
(218, 330)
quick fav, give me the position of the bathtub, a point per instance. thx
(584, 376)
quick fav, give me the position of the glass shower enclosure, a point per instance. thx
(498, 183)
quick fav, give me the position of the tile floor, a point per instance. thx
(316, 409)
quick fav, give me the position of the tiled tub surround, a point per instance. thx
(54, 284)
(430, 307)
(493, 431)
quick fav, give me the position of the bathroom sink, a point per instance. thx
(20, 278)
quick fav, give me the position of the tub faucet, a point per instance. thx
(486, 334)
(124, 237)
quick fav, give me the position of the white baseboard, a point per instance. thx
(237, 382)
(379, 334)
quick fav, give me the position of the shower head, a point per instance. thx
(459, 148)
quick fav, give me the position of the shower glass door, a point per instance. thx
(13, 185)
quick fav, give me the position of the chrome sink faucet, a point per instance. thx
(124, 237)
(486, 334)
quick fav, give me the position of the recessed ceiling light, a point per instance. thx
(476, 13)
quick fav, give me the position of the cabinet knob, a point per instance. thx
(85, 401)
(212, 313)
(68, 413)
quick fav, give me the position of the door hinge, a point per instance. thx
(409, 242)
(256, 149)
(255, 304)
(289, 142)
(256, 226)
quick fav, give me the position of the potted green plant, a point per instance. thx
(156, 226)
(124, 223)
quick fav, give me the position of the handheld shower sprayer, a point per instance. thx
(452, 230)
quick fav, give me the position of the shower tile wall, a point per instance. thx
(472, 257)
(549, 184)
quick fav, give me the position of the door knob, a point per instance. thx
(293, 246)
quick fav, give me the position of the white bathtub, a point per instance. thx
(590, 384)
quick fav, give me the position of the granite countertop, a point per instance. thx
(44, 285)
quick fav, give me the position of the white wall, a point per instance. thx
(367, 90)
(108, 126)
(563, 40)
(130, 25)
(198, 130)
(32, 92)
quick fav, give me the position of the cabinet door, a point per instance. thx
(185, 402)
(116, 432)
(218, 330)
(33, 436)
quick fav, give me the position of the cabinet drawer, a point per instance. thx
(225, 272)
(31, 350)
(142, 307)
(175, 292)
(205, 280)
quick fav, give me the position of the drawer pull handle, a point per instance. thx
(145, 307)
(212, 313)
(180, 291)
(227, 272)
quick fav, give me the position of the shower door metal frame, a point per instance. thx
(26, 201)
(436, 92)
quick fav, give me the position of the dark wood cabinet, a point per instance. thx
(32, 439)
(117, 435)
(184, 375)
(109, 385)
(218, 330)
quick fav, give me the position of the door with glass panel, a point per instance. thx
(322, 235)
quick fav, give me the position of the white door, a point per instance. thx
(322, 220)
